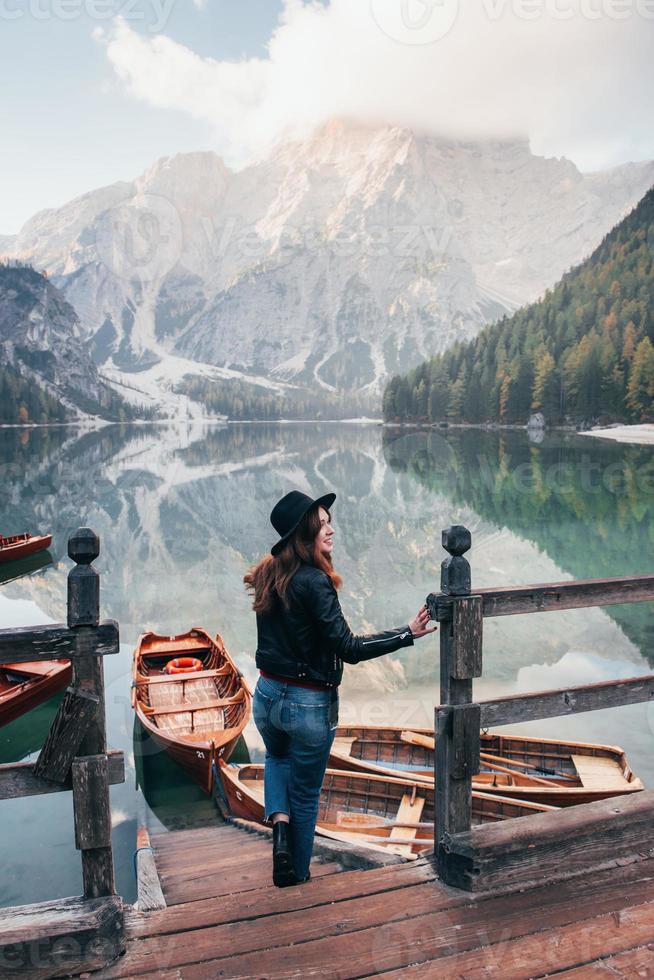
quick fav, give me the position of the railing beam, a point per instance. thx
(565, 701)
(550, 596)
(19, 646)
(17, 779)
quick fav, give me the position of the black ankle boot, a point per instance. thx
(283, 873)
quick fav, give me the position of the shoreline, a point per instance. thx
(639, 434)
(103, 423)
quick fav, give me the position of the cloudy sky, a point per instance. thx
(95, 90)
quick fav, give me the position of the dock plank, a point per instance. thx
(271, 900)
(633, 963)
(545, 953)
(253, 876)
(420, 923)
(395, 949)
(270, 932)
(225, 919)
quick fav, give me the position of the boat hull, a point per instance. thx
(390, 753)
(21, 546)
(353, 807)
(44, 679)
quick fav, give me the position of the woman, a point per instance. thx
(303, 640)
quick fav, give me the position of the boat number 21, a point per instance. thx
(200, 755)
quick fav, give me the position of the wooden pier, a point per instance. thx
(224, 919)
(567, 893)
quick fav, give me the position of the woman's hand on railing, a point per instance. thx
(419, 626)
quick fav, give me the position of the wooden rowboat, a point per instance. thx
(21, 545)
(538, 770)
(24, 686)
(196, 717)
(379, 812)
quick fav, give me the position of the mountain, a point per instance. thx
(46, 372)
(586, 349)
(331, 263)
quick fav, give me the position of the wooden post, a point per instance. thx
(76, 712)
(457, 719)
(90, 790)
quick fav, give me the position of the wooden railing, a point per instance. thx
(74, 757)
(510, 853)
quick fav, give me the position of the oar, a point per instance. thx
(488, 757)
(388, 841)
(534, 780)
(421, 825)
(428, 742)
(417, 738)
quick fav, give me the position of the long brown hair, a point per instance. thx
(269, 579)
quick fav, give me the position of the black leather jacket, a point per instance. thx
(311, 639)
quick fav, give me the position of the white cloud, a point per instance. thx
(576, 76)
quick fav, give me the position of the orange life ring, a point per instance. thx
(183, 665)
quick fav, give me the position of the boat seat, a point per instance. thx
(183, 706)
(409, 811)
(166, 648)
(343, 745)
(600, 773)
(255, 786)
(198, 675)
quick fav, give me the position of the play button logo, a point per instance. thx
(415, 21)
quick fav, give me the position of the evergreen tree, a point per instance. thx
(640, 390)
(545, 392)
(457, 395)
(578, 351)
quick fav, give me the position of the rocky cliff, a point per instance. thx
(333, 262)
(46, 370)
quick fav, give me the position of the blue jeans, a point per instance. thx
(298, 727)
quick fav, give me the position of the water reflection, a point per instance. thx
(173, 799)
(24, 736)
(11, 570)
(590, 509)
(183, 511)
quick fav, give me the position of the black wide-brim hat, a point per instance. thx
(289, 511)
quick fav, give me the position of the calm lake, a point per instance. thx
(182, 512)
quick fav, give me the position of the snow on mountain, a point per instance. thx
(333, 262)
(156, 386)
